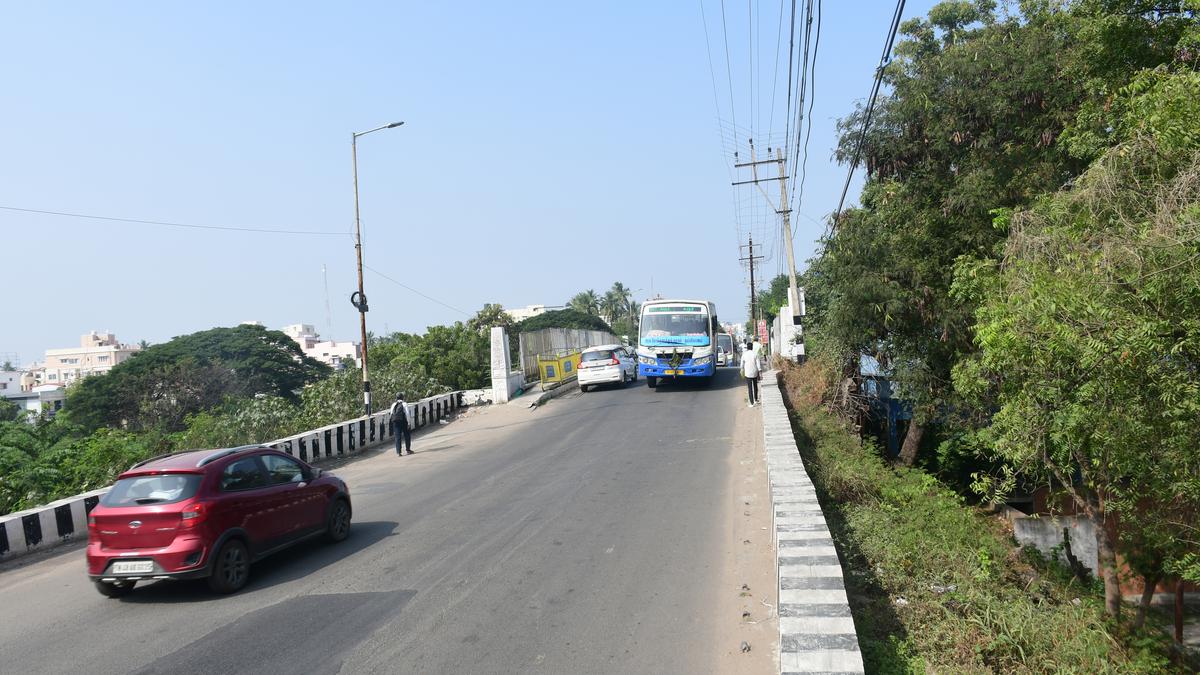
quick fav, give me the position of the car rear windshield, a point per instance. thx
(164, 488)
(598, 356)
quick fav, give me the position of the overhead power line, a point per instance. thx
(162, 223)
(729, 73)
(884, 59)
(811, 100)
(410, 288)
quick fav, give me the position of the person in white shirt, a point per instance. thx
(750, 370)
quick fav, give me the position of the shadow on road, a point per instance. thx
(725, 378)
(293, 563)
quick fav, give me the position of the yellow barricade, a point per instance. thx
(554, 369)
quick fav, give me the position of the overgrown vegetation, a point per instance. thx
(1025, 264)
(935, 585)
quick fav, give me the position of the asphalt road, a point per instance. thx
(584, 536)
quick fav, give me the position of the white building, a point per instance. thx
(531, 310)
(96, 353)
(48, 397)
(331, 352)
(10, 383)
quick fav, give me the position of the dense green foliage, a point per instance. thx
(937, 586)
(163, 384)
(562, 318)
(1045, 335)
(216, 388)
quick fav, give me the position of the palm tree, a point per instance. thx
(612, 306)
(624, 297)
(587, 302)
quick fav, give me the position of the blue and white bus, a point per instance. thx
(677, 338)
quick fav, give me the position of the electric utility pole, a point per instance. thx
(358, 298)
(786, 212)
(751, 258)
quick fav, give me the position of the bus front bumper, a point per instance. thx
(684, 370)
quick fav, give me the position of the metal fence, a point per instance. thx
(555, 341)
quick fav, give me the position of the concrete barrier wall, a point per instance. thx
(816, 630)
(66, 519)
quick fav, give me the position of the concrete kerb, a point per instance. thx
(816, 630)
(65, 520)
(565, 387)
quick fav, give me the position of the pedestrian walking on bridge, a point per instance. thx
(750, 370)
(400, 425)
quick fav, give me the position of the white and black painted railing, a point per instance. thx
(348, 437)
(816, 629)
(66, 519)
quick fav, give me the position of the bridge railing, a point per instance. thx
(66, 519)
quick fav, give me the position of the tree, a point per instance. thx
(773, 297)
(491, 316)
(978, 104)
(562, 318)
(7, 367)
(1089, 338)
(164, 383)
(586, 302)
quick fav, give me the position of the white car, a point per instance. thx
(606, 364)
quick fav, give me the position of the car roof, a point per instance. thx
(188, 461)
(604, 348)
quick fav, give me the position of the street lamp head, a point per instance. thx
(393, 125)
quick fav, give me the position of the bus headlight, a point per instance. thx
(647, 361)
(702, 361)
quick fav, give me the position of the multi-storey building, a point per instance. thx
(96, 353)
(332, 352)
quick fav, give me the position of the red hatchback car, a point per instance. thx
(209, 514)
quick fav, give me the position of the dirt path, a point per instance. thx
(749, 579)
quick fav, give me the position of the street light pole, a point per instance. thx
(359, 299)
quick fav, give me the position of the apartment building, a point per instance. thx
(96, 353)
(331, 352)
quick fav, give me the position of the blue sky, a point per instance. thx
(548, 147)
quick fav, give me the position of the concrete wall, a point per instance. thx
(66, 519)
(1046, 535)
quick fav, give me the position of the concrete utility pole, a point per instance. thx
(793, 293)
(358, 298)
(750, 257)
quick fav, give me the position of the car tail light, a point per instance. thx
(615, 361)
(92, 524)
(194, 514)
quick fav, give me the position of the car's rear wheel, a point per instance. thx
(339, 521)
(583, 388)
(115, 589)
(231, 568)
(651, 382)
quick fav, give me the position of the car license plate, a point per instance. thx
(673, 372)
(133, 567)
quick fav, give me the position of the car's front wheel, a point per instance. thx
(651, 382)
(231, 568)
(117, 589)
(339, 521)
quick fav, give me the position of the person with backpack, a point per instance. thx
(750, 370)
(400, 425)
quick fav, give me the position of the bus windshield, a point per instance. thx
(675, 326)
